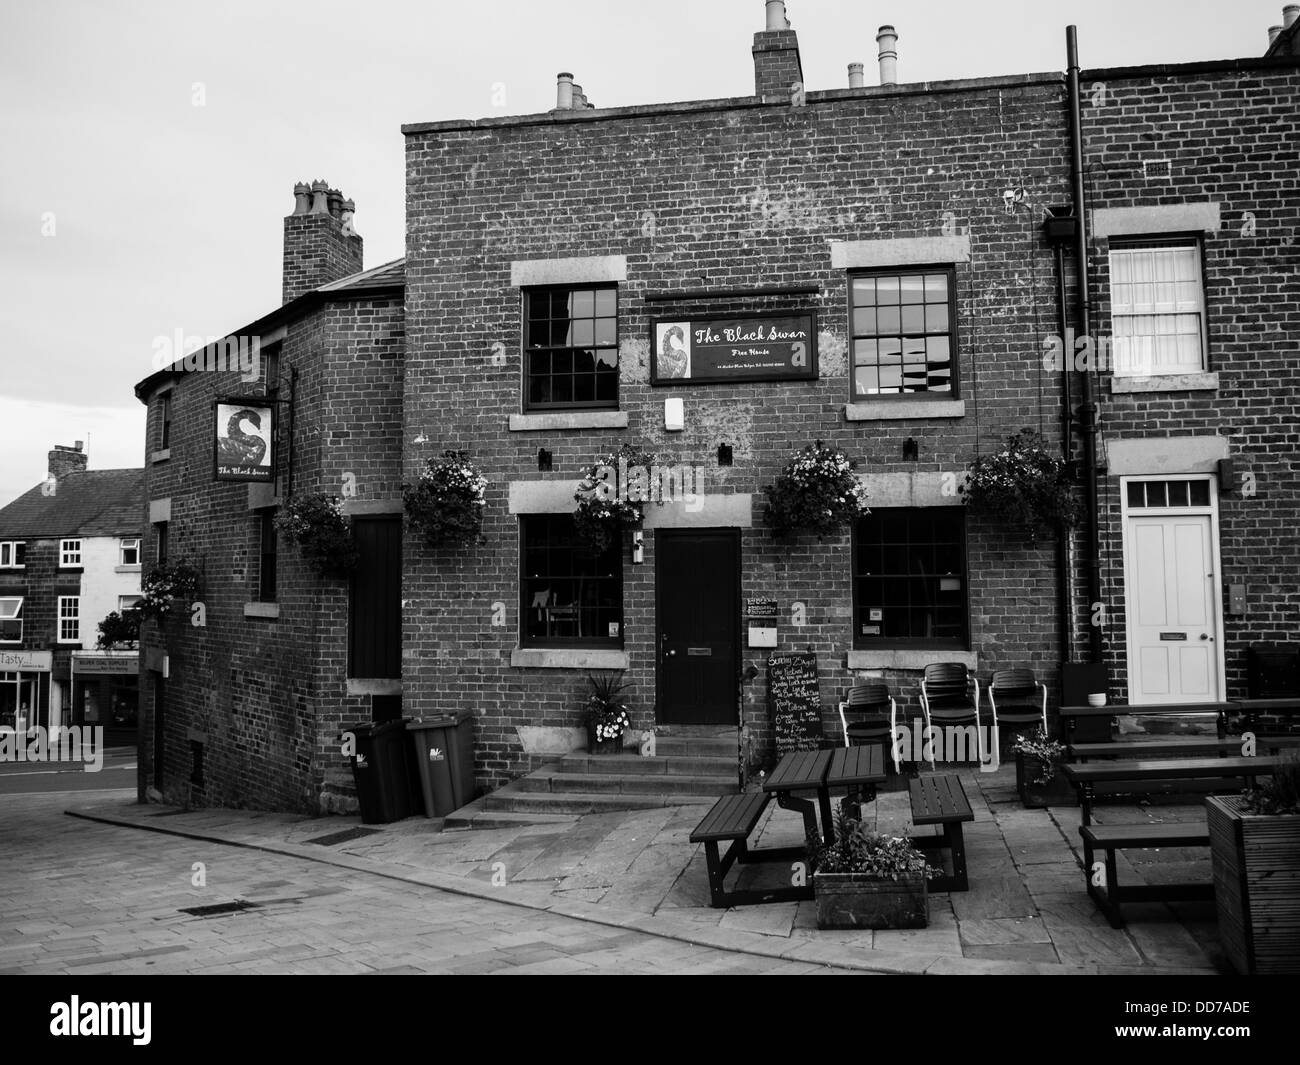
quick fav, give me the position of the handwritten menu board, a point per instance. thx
(795, 702)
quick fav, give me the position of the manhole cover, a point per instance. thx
(335, 838)
(220, 907)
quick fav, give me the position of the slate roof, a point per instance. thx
(393, 273)
(85, 503)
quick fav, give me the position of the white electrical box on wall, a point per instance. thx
(674, 415)
(762, 636)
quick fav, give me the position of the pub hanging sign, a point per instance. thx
(765, 347)
(244, 444)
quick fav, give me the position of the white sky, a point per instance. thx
(168, 216)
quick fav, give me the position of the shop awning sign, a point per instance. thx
(26, 661)
(728, 350)
(105, 664)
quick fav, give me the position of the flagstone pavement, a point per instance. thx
(1026, 910)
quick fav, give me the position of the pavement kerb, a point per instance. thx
(896, 963)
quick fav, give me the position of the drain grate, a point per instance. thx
(220, 907)
(346, 836)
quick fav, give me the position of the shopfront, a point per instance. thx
(25, 689)
(105, 689)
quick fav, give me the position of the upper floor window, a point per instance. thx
(69, 619)
(904, 333)
(266, 571)
(909, 578)
(160, 541)
(571, 347)
(165, 420)
(13, 554)
(126, 602)
(69, 552)
(571, 596)
(11, 619)
(129, 551)
(1157, 308)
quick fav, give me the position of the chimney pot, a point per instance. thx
(1289, 14)
(887, 39)
(319, 192)
(301, 202)
(334, 201)
(76, 445)
(1273, 32)
(856, 78)
(564, 91)
(776, 17)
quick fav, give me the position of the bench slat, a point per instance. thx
(732, 817)
(1172, 767)
(938, 799)
(1119, 837)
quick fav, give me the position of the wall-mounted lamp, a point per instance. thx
(638, 547)
(911, 452)
(724, 454)
(544, 460)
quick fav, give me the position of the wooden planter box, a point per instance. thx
(1037, 796)
(1256, 861)
(855, 900)
(595, 746)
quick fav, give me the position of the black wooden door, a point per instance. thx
(375, 609)
(697, 604)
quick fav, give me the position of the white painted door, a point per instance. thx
(1173, 657)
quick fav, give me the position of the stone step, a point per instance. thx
(507, 800)
(630, 784)
(475, 816)
(628, 764)
(696, 747)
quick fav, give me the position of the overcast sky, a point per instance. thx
(167, 216)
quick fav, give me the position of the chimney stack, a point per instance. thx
(320, 244)
(856, 78)
(64, 460)
(776, 56)
(887, 39)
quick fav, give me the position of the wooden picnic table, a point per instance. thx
(1085, 777)
(804, 771)
(1071, 715)
(1252, 707)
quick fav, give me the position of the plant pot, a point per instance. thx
(856, 900)
(595, 746)
(1057, 792)
(1256, 861)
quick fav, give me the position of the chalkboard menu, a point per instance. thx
(795, 702)
(765, 347)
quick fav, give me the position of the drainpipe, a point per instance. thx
(1088, 409)
(1065, 600)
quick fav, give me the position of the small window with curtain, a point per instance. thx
(1157, 308)
(571, 347)
(11, 619)
(909, 578)
(571, 596)
(904, 334)
(266, 571)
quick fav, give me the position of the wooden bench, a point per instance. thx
(733, 818)
(1111, 838)
(1072, 715)
(940, 799)
(1144, 776)
(1176, 748)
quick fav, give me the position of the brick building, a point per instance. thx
(899, 231)
(69, 556)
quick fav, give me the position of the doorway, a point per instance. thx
(697, 612)
(1171, 581)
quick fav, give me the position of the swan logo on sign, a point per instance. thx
(245, 440)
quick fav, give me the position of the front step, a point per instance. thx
(696, 747)
(631, 784)
(508, 800)
(475, 816)
(626, 765)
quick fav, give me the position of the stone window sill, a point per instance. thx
(161, 456)
(903, 410)
(1182, 382)
(898, 658)
(261, 610)
(567, 658)
(128, 568)
(374, 686)
(569, 419)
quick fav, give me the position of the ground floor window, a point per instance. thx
(909, 578)
(571, 596)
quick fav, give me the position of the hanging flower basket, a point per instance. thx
(446, 504)
(604, 509)
(316, 526)
(119, 629)
(817, 492)
(1026, 486)
(167, 589)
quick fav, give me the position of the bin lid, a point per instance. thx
(447, 720)
(371, 729)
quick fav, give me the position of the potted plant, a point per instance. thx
(867, 880)
(604, 509)
(316, 526)
(1255, 855)
(446, 504)
(607, 715)
(1038, 777)
(1026, 486)
(817, 492)
(166, 585)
